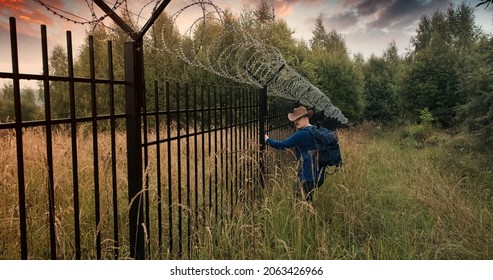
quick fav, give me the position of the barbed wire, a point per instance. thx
(235, 54)
(226, 48)
(76, 19)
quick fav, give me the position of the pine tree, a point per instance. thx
(319, 34)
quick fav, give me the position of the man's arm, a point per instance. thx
(294, 140)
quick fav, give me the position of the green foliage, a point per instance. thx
(338, 77)
(388, 202)
(319, 34)
(447, 69)
(264, 13)
(426, 117)
(331, 42)
(30, 108)
(381, 78)
(418, 135)
(438, 67)
(477, 113)
(59, 92)
(329, 68)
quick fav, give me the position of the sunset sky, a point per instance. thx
(368, 26)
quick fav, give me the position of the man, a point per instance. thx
(309, 175)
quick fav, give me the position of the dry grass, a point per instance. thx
(193, 179)
(389, 201)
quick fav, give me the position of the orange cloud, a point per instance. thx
(284, 9)
(24, 10)
(28, 18)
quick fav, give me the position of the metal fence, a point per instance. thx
(132, 176)
(201, 157)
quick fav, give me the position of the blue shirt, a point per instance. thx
(302, 141)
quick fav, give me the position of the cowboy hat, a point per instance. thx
(299, 112)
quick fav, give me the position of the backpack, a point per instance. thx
(327, 146)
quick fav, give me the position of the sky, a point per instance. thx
(368, 26)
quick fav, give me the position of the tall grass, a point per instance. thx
(198, 181)
(390, 200)
(36, 189)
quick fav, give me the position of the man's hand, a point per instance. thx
(266, 137)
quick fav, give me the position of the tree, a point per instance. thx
(477, 113)
(30, 110)
(381, 76)
(264, 13)
(340, 79)
(161, 64)
(319, 34)
(327, 41)
(439, 63)
(82, 69)
(330, 68)
(59, 91)
(432, 82)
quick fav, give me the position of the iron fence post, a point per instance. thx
(133, 93)
(262, 123)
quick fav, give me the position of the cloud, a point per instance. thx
(383, 14)
(26, 10)
(402, 13)
(284, 8)
(343, 21)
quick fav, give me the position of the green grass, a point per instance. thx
(393, 198)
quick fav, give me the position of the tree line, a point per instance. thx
(446, 73)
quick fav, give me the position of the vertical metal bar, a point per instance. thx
(241, 146)
(73, 135)
(94, 114)
(202, 125)
(236, 102)
(158, 167)
(253, 136)
(142, 94)
(221, 151)
(187, 149)
(227, 149)
(249, 167)
(146, 200)
(134, 150)
(21, 186)
(215, 152)
(49, 142)
(111, 89)
(232, 136)
(195, 156)
(262, 122)
(170, 177)
(209, 150)
(178, 174)
(246, 139)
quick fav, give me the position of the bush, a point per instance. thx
(420, 133)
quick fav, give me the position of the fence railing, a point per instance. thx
(201, 154)
(41, 207)
(120, 175)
